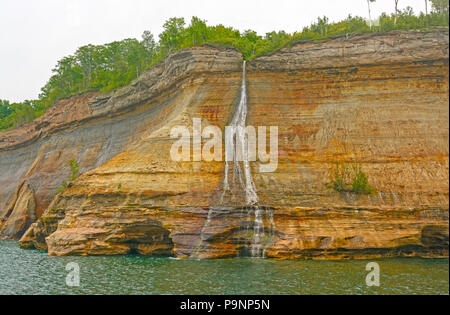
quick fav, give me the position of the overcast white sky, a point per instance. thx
(35, 34)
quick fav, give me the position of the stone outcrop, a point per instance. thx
(378, 101)
(21, 214)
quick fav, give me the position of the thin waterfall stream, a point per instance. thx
(238, 124)
(238, 158)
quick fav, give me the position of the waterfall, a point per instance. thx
(238, 127)
(245, 178)
(242, 175)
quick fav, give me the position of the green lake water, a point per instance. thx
(34, 272)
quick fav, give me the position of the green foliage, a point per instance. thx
(113, 65)
(321, 29)
(440, 6)
(346, 178)
(5, 112)
(74, 170)
(5, 108)
(172, 36)
(63, 187)
(340, 177)
(101, 67)
(17, 114)
(74, 174)
(360, 182)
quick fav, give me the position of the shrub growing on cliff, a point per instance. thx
(74, 170)
(346, 178)
(17, 114)
(74, 173)
(340, 177)
(360, 182)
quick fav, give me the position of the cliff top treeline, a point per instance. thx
(107, 67)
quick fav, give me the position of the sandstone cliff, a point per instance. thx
(93, 128)
(377, 100)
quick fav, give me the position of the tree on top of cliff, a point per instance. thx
(148, 41)
(173, 33)
(5, 109)
(197, 32)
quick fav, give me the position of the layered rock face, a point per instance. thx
(376, 101)
(92, 128)
(380, 102)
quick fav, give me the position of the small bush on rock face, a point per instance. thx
(340, 177)
(62, 187)
(74, 170)
(360, 183)
(74, 173)
(346, 178)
